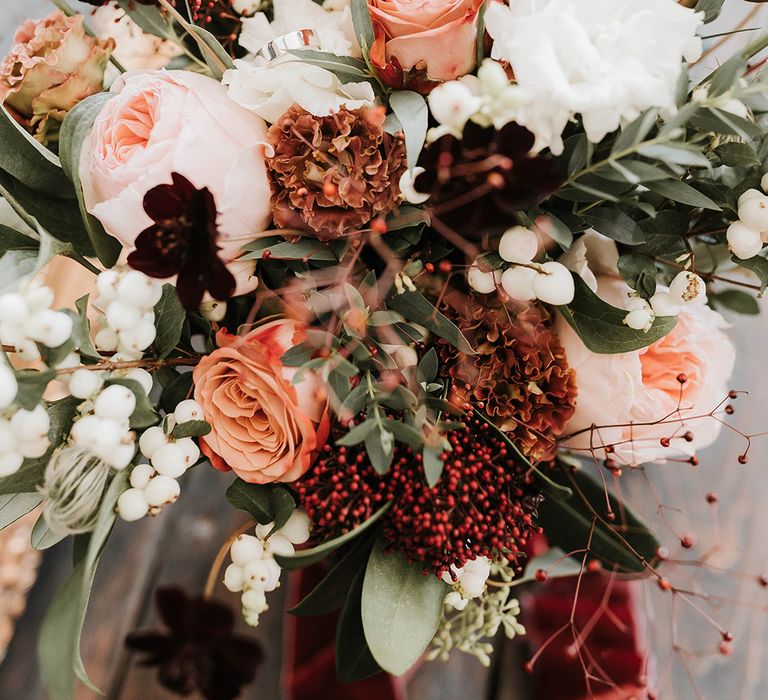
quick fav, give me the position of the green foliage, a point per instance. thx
(401, 609)
(354, 660)
(15, 505)
(361, 19)
(627, 545)
(175, 391)
(32, 385)
(418, 309)
(169, 321)
(192, 428)
(307, 557)
(58, 647)
(735, 300)
(639, 272)
(410, 108)
(42, 536)
(759, 266)
(265, 503)
(600, 325)
(73, 138)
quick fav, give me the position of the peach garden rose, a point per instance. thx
(435, 35)
(161, 122)
(641, 387)
(265, 428)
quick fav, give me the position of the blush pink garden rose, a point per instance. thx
(265, 428)
(641, 387)
(438, 36)
(161, 122)
(52, 66)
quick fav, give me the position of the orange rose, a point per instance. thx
(437, 36)
(265, 428)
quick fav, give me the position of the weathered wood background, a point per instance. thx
(177, 548)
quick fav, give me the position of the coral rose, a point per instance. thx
(161, 122)
(265, 428)
(434, 36)
(630, 393)
(52, 66)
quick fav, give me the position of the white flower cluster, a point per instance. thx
(8, 385)
(685, 288)
(746, 236)
(469, 583)
(103, 428)
(155, 485)
(127, 299)
(524, 280)
(26, 318)
(254, 571)
(23, 435)
(605, 60)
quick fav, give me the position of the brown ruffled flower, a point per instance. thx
(333, 174)
(520, 372)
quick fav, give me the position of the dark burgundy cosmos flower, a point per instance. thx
(199, 651)
(182, 242)
(478, 182)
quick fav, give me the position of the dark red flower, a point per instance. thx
(478, 182)
(198, 651)
(182, 242)
(482, 505)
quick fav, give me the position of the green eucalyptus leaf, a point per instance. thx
(169, 321)
(679, 191)
(614, 223)
(354, 661)
(361, 20)
(601, 326)
(11, 239)
(27, 160)
(416, 308)
(627, 545)
(16, 505)
(639, 272)
(737, 155)
(759, 266)
(73, 138)
(307, 557)
(735, 300)
(148, 17)
(679, 154)
(433, 463)
(42, 536)
(410, 108)
(265, 503)
(32, 385)
(401, 609)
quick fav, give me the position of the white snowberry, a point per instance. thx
(554, 284)
(472, 584)
(233, 578)
(296, 529)
(519, 245)
(753, 212)
(169, 460)
(213, 310)
(121, 456)
(84, 383)
(33, 449)
(10, 462)
(14, 309)
(8, 386)
(408, 188)
(162, 490)
(115, 401)
(743, 241)
(482, 282)
(137, 338)
(51, 328)
(188, 410)
(144, 378)
(279, 544)
(749, 194)
(151, 440)
(132, 505)
(190, 449)
(517, 282)
(122, 316)
(140, 475)
(687, 287)
(639, 319)
(106, 339)
(245, 549)
(254, 599)
(262, 573)
(106, 285)
(30, 425)
(764, 182)
(136, 289)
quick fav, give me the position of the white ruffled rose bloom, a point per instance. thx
(269, 89)
(607, 60)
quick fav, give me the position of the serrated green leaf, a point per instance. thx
(401, 609)
(600, 325)
(307, 557)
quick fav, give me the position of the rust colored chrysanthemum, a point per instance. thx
(332, 175)
(520, 372)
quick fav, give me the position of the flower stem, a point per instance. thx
(218, 561)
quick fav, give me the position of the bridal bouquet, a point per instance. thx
(423, 276)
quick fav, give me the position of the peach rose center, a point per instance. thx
(132, 127)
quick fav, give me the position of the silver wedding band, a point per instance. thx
(300, 39)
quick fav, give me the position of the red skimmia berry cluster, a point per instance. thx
(484, 503)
